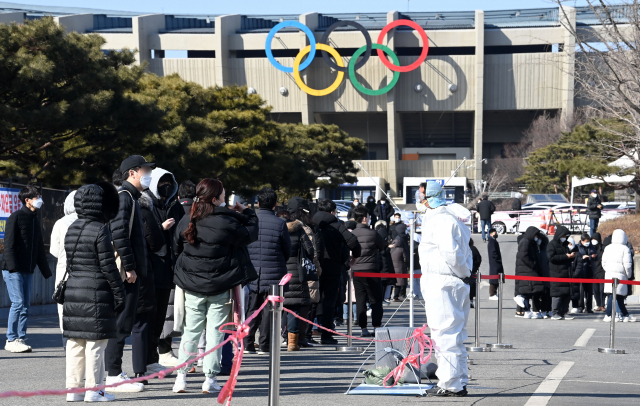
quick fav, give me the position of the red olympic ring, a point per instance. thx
(423, 54)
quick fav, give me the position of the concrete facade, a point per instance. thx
(487, 76)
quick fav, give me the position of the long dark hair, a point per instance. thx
(304, 217)
(206, 191)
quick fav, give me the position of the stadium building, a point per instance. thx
(486, 76)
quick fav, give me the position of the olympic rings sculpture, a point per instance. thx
(338, 65)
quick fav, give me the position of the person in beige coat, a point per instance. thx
(617, 262)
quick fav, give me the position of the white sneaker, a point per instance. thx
(98, 396)
(574, 311)
(494, 297)
(75, 397)
(210, 385)
(168, 359)
(180, 386)
(529, 315)
(629, 319)
(519, 300)
(606, 319)
(17, 345)
(537, 315)
(125, 387)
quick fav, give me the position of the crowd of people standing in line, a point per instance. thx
(148, 258)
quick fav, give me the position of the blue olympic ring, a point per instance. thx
(305, 29)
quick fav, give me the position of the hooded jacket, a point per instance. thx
(495, 259)
(617, 262)
(95, 292)
(400, 255)
(298, 292)
(593, 210)
(23, 243)
(218, 261)
(371, 207)
(560, 266)
(335, 236)
(131, 248)
(528, 263)
(585, 268)
(57, 241)
(270, 252)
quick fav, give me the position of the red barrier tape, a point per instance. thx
(488, 277)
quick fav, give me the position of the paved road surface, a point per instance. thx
(545, 359)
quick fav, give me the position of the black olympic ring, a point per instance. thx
(325, 40)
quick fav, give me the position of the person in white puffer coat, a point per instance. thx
(617, 262)
(57, 244)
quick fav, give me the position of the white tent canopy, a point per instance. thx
(589, 181)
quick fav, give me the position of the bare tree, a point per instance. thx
(607, 78)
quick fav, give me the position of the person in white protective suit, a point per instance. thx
(446, 262)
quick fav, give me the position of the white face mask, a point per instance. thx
(222, 204)
(594, 195)
(145, 181)
(571, 246)
(37, 203)
(586, 244)
(594, 242)
(563, 239)
(382, 202)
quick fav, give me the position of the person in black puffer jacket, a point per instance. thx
(269, 255)
(528, 264)
(598, 272)
(213, 259)
(560, 266)
(297, 296)
(543, 306)
(186, 193)
(368, 290)
(371, 207)
(161, 211)
(95, 292)
(584, 269)
(387, 262)
(337, 243)
(477, 260)
(384, 211)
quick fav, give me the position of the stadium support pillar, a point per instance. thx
(393, 122)
(143, 26)
(479, 95)
(226, 26)
(306, 100)
(79, 23)
(568, 20)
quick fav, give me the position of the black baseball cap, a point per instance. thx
(135, 161)
(296, 203)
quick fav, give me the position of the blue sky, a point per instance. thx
(296, 7)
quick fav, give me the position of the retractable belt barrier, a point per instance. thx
(487, 277)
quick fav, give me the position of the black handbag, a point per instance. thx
(58, 293)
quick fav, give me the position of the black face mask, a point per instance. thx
(165, 190)
(495, 236)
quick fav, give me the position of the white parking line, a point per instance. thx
(584, 338)
(548, 387)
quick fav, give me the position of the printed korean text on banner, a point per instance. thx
(9, 202)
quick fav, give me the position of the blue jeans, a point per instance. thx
(593, 225)
(483, 224)
(621, 306)
(19, 288)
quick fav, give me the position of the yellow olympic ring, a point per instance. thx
(303, 86)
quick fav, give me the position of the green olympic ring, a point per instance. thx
(352, 71)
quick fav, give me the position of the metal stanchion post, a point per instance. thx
(477, 347)
(499, 344)
(412, 235)
(274, 351)
(612, 336)
(349, 347)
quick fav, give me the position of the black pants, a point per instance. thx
(261, 321)
(545, 300)
(368, 290)
(398, 291)
(312, 317)
(342, 296)
(140, 341)
(472, 290)
(586, 290)
(126, 319)
(561, 305)
(493, 289)
(329, 286)
(598, 292)
(157, 324)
